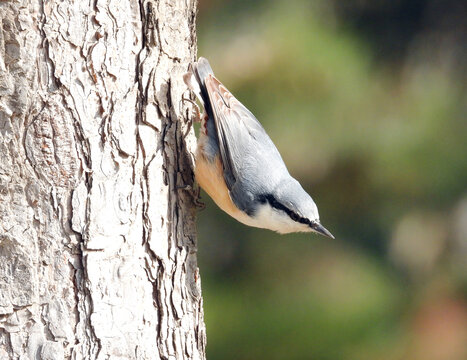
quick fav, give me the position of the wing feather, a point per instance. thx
(243, 142)
(236, 129)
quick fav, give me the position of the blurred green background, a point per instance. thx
(366, 101)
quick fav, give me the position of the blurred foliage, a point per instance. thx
(372, 121)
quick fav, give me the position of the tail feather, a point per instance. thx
(195, 80)
(202, 70)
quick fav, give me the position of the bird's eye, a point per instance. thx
(294, 216)
(262, 199)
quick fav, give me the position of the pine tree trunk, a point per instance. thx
(97, 235)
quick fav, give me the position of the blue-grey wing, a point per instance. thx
(252, 163)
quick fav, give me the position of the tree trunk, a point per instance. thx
(97, 235)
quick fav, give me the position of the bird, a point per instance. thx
(238, 165)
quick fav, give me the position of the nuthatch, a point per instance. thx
(238, 165)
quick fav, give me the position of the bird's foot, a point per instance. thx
(195, 110)
(194, 194)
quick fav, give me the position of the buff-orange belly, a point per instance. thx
(209, 176)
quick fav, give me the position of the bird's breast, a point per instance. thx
(210, 176)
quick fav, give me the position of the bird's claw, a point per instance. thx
(196, 110)
(194, 196)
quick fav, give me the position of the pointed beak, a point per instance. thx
(320, 229)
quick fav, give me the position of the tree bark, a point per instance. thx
(97, 235)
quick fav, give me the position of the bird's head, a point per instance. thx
(290, 209)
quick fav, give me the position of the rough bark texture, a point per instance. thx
(97, 236)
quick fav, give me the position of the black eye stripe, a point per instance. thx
(277, 205)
